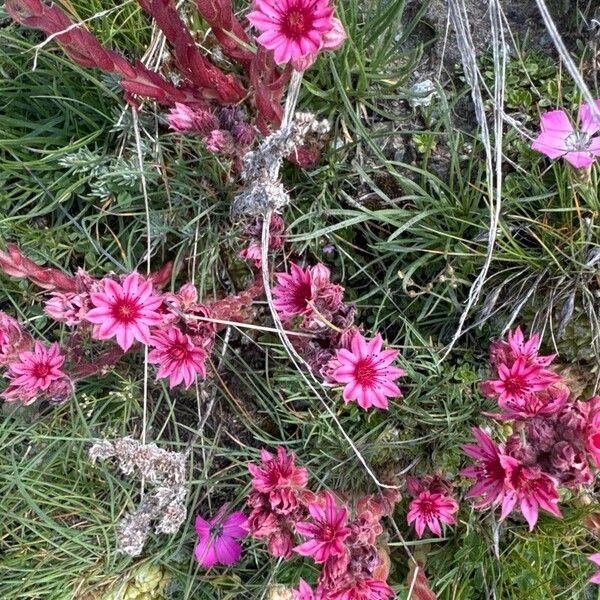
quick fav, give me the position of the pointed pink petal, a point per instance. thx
(580, 160)
(112, 289)
(124, 338)
(549, 145)
(359, 346)
(529, 508)
(374, 346)
(556, 121)
(508, 503)
(350, 391)
(228, 551)
(587, 122)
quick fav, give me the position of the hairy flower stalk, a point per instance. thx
(263, 192)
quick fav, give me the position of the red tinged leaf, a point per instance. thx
(219, 15)
(213, 82)
(418, 580)
(103, 363)
(234, 308)
(84, 49)
(163, 276)
(14, 263)
(269, 86)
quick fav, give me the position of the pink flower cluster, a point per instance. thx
(276, 239)
(432, 503)
(554, 436)
(559, 138)
(226, 133)
(129, 309)
(335, 350)
(341, 541)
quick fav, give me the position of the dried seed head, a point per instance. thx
(165, 471)
(264, 192)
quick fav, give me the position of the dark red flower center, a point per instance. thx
(41, 370)
(492, 469)
(329, 533)
(524, 482)
(178, 352)
(125, 310)
(516, 385)
(279, 477)
(427, 509)
(296, 22)
(366, 373)
(302, 295)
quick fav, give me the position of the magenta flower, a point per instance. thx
(184, 119)
(305, 592)
(595, 558)
(253, 252)
(519, 380)
(546, 402)
(293, 29)
(35, 371)
(527, 349)
(13, 339)
(531, 489)
(427, 510)
(280, 479)
(364, 589)
(308, 293)
(367, 373)
(218, 538)
(293, 292)
(67, 308)
(559, 137)
(177, 356)
(278, 501)
(125, 311)
(328, 531)
(489, 471)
